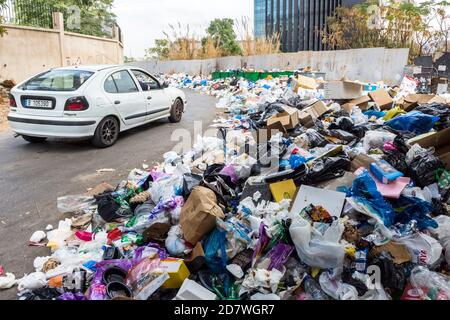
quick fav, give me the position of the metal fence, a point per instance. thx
(27, 13)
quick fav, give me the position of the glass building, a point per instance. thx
(297, 22)
(260, 18)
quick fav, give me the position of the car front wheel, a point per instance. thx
(176, 111)
(107, 133)
(34, 139)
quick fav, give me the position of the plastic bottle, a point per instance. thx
(313, 289)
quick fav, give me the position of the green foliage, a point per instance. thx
(127, 59)
(91, 17)
(221, 31)
(421, 27)
(160, 51)
(2, 6)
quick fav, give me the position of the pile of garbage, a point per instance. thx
(311, 190)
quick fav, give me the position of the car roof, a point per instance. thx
(93, 68)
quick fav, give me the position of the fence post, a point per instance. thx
(58, 24)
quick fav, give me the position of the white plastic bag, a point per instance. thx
(38, 236)
(376, 139)
(7, 281)
(423, 248)
(332, 285)
(313, 249)
(443, 234)
(35, 280)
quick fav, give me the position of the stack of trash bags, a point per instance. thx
(342, 204)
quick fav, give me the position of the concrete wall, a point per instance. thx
(25, 51)
(368, 65)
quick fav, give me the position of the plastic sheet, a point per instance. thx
(74, 204)
(364, 192)
(416, 122)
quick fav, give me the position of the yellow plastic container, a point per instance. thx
(177, 270)
(283, 190)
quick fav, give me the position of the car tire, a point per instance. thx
(106, 133)
(176, 112)
(34, 139)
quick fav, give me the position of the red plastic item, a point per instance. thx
(114, 235)
(2, 271)
(84, 235)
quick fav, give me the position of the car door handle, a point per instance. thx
(149, 98)
(117, 102)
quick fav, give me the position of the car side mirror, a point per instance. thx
(165, 84)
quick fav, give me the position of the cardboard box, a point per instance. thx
(343, 90)
(382, 99)
(283, 190)
(288, 118)
(305, 119)
(312, 112)
(439, 140)
(177, 270)
(303, 82)
(362, 103)
(411, 101)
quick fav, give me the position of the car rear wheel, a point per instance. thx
(107, 133)
(34, 139)
(177, 111)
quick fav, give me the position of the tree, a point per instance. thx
(222, 33)
(399, 24)
(2, 6)
(92, 17)
(160, 51)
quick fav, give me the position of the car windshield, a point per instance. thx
(58, 80)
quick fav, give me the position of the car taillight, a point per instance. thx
(12, 101)
(76, 104)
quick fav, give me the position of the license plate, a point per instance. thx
(40, 104)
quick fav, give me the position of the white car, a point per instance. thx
(96, 102)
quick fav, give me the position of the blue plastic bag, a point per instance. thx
(364, 190)
(416, 122)
(409, 208)
(213, 246)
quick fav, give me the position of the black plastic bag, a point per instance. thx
(109, 209)
(393, 277)
(190, 180)
(327, 169)
(423, 169)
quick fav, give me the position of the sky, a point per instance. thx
(143, 21)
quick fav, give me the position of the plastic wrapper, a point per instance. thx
(376, 139)
(175, 243)
(166, 188)
(279, 255)
(437, 285)
(146, 277)
(74, 204)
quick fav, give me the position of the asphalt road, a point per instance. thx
(33, 176)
